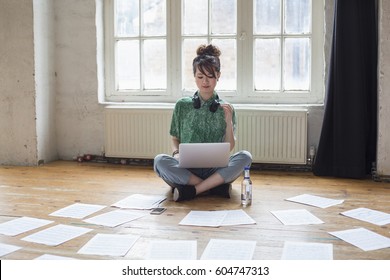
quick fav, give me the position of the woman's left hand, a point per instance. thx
(229, 136)
(228, 109)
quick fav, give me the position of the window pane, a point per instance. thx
(195, 19)
(127, 65)
(267, 64)
(297, 64)
(267, 17)
(126, 18)
(154, 17)
(223, 16)
(297, 16)
(189, 53)
(155, 64)
(228, 63)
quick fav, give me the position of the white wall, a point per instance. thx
(44, 47)
(79, 117)
(18, 138)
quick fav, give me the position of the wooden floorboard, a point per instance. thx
(39, 191)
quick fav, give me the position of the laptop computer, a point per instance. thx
(204, 155)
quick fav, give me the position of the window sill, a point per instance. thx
(170, 106)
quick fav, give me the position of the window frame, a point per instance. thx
(245, 93)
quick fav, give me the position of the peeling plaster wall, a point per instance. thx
(18, 139)
(383, 159)
(44, 41)
(78, 114)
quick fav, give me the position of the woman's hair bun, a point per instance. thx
(208, 50)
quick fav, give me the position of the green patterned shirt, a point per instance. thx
(191, 125)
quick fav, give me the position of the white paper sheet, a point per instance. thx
(314, 200)
(21, 225)
(363, 238)
(140, 201)
(225, 249)
(307, 251)
(237, 217)
(172, 250)
(217, 218)
(115, 218)
(371, 216)
(116, 245)
(53, 257)
(77, 210)
(296, 217)
(56, 235)
(6, 249)
(204, 218)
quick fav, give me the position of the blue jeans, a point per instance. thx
(167, 168)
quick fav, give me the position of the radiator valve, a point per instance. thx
(312, 154)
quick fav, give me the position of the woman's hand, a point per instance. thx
(175, 147)
(176, 155)
(228, 109)
(229, 134)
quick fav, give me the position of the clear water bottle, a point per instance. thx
(246, 189)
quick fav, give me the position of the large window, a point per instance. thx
(272, 50)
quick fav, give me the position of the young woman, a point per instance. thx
(203, 118)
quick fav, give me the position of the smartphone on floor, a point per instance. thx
(158, 210)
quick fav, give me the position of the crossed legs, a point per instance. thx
(191, 182)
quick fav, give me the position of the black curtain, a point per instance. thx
(347, 146)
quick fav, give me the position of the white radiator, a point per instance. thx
(137, 133)
(271, 136)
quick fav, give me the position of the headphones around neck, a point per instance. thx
(213, 106)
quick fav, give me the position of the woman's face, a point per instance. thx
(205, 83)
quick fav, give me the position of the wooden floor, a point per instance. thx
(39, 191)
